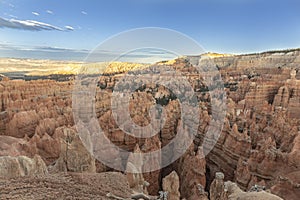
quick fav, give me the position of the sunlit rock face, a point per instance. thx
(171, 186)
(14, 167)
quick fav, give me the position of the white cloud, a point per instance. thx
(13, 16)
(4, 45)
(10, 50)
(83, 12)
(70, 28)
(35, 13)
(30, 25)
(49, 12)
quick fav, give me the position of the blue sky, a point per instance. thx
(226, 26)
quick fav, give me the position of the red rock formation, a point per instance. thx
(23, 123)
(153, 178)
(191, 170)
(73, 157)
(259, 143)
(171, 186)
(134, 175)
(217, 188)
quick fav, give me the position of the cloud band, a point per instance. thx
(29, 25)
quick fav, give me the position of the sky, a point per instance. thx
(69, 29)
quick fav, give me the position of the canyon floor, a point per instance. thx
(255, 154)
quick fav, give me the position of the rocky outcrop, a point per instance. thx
(217, 188)
(234, 192)
(220, 190)
(11, 146)
(231, 146)
(254, 147)
(134, 175)
(287, 97)
(23, 123)
(73, 157)
(13, 167)
(192, 170)
(287, 186)
(153, 178)
(27, 108)
(171, 186)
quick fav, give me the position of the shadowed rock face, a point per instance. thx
(259, 143)
(73, 157)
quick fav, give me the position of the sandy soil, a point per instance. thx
(65, 186)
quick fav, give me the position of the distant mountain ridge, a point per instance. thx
(32, 67)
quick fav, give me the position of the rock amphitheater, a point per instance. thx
(256, 156)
